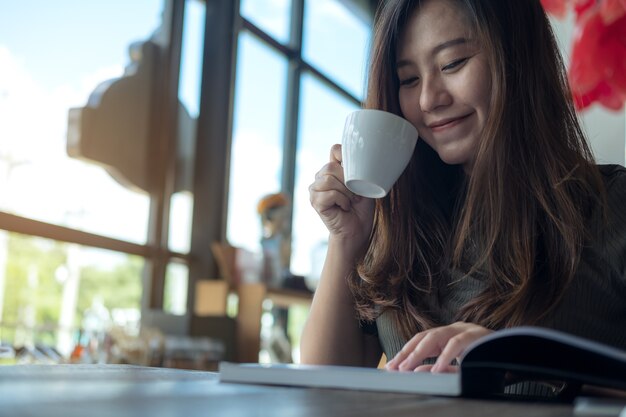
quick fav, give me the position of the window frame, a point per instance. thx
(297, 66)
(223, 25)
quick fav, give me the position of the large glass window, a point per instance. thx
(298, 72)
(257, 153)
(50, 288)
(53, 55)
(336, 41)
(272, 16)
(181, 202)
(293, 90)
(322, 116)
(44, 73)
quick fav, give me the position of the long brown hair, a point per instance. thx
(518, 222)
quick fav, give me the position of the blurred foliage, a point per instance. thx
(34, 287)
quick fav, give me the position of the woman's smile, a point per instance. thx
(446, 124)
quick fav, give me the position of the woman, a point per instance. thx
(501, 218)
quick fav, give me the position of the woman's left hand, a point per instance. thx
(446, 342)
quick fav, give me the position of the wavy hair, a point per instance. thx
(518, 221)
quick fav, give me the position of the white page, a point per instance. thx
(343, 377)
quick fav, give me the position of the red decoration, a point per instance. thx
(556, 7)
(597, 71)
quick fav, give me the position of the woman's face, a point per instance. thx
(445, 81)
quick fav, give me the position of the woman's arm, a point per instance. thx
(332, 334)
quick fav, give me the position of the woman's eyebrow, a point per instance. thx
(448, 44)
(437, 49)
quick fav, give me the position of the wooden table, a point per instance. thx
(119, 390)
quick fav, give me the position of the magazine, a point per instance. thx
(487, 366)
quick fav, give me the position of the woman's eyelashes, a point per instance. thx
(409, 80)
(456, 64)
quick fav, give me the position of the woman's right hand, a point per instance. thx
(345, 214)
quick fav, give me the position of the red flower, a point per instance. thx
(559, 8)
(581, 6)
(556, 7)
(612, 10)
(597, 71)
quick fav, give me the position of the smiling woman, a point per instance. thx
(501, 219)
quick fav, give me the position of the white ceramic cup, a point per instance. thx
(376, 148)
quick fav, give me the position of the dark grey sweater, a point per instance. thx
(593, 306)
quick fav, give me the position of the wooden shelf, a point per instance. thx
(211, 301)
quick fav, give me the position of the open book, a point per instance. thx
(487, 366)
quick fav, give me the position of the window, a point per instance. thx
(322, 115)
(257, 154)
(47, 284)
(44, 76)
(300, 69)
(336, 41)
(273, 17)
(293, 91)
(77, 238)
(180, 219)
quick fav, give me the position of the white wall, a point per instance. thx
(606, 129)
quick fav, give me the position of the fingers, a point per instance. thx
(328, 190)
(335, 153)
(456, 346)
(422, 346)
(446, 343)
(449, 369)
(324, 197)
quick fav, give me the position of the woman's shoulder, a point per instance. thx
(614, 178)
(613, 223)
(613, 174)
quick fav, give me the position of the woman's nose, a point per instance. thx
(434, 94)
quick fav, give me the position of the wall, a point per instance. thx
(605, 129)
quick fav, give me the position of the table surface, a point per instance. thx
(123, 390)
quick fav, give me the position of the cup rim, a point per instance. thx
(386, 113)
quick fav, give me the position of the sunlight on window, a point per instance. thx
(328, 22)
(50, 286)
(257, 138)
(190, 82)
(272, 16)
(321, 124)
(176, 284)
(191, 56)
(52, 291)
(40, 79)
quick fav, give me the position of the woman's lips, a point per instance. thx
(447, 123)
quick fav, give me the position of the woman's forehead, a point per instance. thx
(433, 24)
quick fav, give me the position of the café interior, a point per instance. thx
(155, 161)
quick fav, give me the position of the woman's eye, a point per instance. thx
(455, 64)
(408, 80)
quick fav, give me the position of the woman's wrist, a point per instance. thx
(348, 247)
